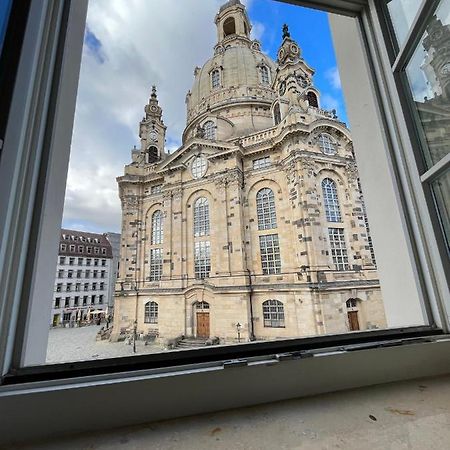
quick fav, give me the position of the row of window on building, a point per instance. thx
(71, 237)
(217, 74)
(80, 273)
(69, 302)
(63, 260)
(68, 287)
(80, 249)
(268, 243)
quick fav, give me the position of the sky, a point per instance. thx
(131, 45)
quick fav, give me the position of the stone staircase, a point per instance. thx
(191, 343)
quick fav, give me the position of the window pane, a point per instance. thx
(428, 74)
(441, 190)
(232, 220)
(402, 13)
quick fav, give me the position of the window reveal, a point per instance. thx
(202, 259)
(273, 312)
(151, 312)
(338, 248)
(270, 254)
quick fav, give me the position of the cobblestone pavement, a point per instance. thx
(79, 344)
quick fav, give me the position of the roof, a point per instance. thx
(84, 244)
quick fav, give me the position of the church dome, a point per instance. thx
(236, 81)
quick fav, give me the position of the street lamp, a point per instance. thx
(238, 328)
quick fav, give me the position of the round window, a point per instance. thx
(199, 166)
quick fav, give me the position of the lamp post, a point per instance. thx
(238, 328)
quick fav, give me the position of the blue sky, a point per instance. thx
(132, 44)
(310, 28)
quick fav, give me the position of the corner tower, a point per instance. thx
(293, 82)
(152, 131)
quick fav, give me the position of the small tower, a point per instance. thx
(232, 21)
(293, 81)
(152, 131)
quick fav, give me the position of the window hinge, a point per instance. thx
(235, 363)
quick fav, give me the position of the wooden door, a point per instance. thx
(353, 320)
(203, 324)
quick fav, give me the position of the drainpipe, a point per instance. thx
(252, 327)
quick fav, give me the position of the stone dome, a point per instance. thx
(236, 81)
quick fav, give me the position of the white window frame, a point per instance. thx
(374, 118)
(266, 211)
(331, 203)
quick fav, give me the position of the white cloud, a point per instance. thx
(143, 42)
(332, 75)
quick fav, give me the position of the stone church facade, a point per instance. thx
(256, 224)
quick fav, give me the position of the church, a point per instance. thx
(255, 228)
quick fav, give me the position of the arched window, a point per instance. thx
(326, 144)
(202, 305)
(351, 303)
(157, 227)
(215, 79)
(151, 312)
(331, 201)
(273, 312)
(265, 209)
(312, 99)
(229, 26)
(209, 130)
(265, 79)
(201, 217)
(152, 154)
(276, 114)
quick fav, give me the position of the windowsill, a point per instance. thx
(225, 385)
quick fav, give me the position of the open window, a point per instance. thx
(247, 243)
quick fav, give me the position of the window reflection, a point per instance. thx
(428, 75)
(402, 14)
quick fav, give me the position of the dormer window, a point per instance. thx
(265, 77)
(209, 130)
(215, 79)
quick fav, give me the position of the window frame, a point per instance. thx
(61, 25)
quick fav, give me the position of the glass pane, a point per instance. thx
(4, 15)
(402, 13)
(428, 74)
(441, 190)
(213, 249)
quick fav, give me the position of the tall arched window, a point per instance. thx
(265, 79)
(201, 217)
(157, 227)
(265, 209)
(273, 312)
(151, 312)
(215, 78)
(276, 114)
(209, 130)
(312, 99)
(331, 200)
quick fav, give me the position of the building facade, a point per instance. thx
(256, 224)
(83, 278)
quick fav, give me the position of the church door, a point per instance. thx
(353, 320)
(203, 324)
